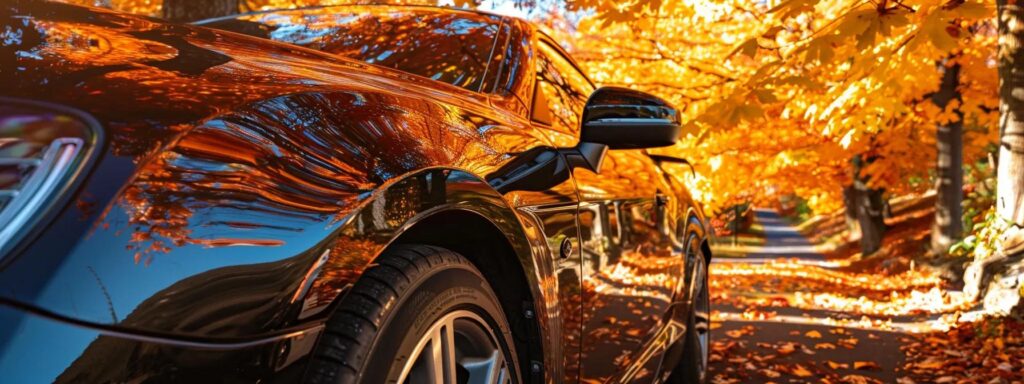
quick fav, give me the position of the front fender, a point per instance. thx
(251, 223)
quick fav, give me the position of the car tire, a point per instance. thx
(693, 367)
(414, 301)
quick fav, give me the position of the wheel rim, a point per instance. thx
(458, 348)
(702, 315)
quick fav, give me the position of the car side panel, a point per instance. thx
(246, 183)
(632, 267)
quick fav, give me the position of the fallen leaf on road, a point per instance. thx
(719, 379)
(865, 365)
(813, 334)
(935, 341)
(799, 371)
(824, 346)
(930, 364)
(786, 349)
(834, 365)
(858, 379)
(849, 343)
(738, 333)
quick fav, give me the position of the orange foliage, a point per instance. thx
(781, 95)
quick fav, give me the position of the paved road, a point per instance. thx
(782, 239)
(793, 345)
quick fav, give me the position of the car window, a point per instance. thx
(449, 46)
(560, 93)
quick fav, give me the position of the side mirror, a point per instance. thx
(623, 118)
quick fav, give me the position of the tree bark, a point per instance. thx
(850, 201)
(869, 209)
(1010, 172)
(870, 219)
(948, 226)
(192, 10)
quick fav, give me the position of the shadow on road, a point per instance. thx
(762, 336)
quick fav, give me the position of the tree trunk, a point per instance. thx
(948, 225)
(870, 219)
(869, 209)
(850, 201)
(1010, 172)
(192, 10)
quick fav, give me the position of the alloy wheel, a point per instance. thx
(458, 348)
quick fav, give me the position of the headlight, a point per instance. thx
(42, 149)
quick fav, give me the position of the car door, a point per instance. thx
(630, 266)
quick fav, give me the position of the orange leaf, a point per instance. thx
(834, 365)
(865, 365)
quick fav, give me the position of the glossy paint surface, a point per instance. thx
(244, 184)
(452, 47)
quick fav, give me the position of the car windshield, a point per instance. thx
(445, 45)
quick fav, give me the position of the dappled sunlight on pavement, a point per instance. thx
(806, 318)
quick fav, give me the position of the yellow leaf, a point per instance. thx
(866, 38)
(936, 26)
(765, 96)
(855, 23)
(748, 48)
(894, 19)
(793, 8)
(772, 32)
(820, 49)
(974, 10)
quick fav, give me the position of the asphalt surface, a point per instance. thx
(794, 346)
(782, 239)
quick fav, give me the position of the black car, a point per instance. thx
(346, 194)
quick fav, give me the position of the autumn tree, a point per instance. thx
(790, 91)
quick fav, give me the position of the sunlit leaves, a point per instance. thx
(792, 8)
(820, 50)
(813, 83)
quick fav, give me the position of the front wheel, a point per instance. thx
(420, 314)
